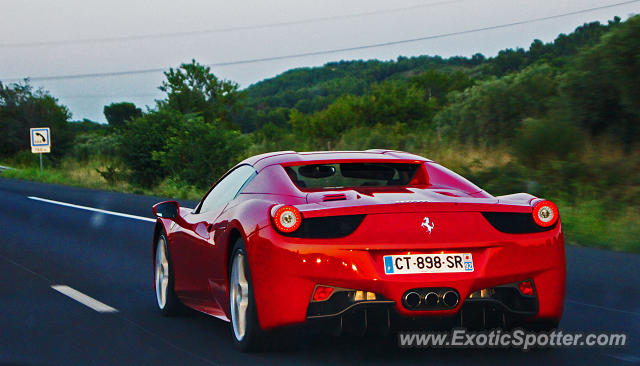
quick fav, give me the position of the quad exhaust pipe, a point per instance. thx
(450, 298)
(412, 299)
(431, 299)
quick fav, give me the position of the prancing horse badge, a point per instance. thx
(428, 225)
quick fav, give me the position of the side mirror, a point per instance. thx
(167, 209)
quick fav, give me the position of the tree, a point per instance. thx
(142, 137)
(198, 153)
(437, 84)
(509, 60)
(194, 89)
(189, 135)
(492, 111)
(477, 59)
(532, 144)
(387, 104)
(118, 113)
(21, 108)
(602, 88)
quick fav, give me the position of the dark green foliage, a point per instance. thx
(118, 113)
(189, 136)
(93, 140)
(86, 126)
(386, 104)
(309, 90)
(504, 179)
(509, 60)
(540, 141)
(492, 111)
(22, 108)
(192, 88)
(603, 89)
(198, 152)
(558, 53)
(94, 144)
(438, 84)
(141, 138)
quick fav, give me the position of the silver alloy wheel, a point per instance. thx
(162, 273)
(239, 294)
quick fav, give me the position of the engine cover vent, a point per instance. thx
(334, 197)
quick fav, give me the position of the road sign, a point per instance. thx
(40, 140)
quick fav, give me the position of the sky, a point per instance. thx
(44, 38)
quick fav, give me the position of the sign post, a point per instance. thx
(40, 141)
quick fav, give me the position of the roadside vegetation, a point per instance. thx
(560, 120)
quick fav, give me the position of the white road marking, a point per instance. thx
(84, 299)
(602, 307)
(93, 209)
(626, 357)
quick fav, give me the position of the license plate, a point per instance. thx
(428, 263)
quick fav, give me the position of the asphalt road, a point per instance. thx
(109, 259)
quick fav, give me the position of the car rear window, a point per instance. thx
(344, 175)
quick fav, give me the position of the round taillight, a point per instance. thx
(287, 219)
(545, 213)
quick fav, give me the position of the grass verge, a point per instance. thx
(86, 174)
(592, 224)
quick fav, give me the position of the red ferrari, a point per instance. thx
(358, 239)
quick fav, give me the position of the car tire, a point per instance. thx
(246, 332)
(166, 297)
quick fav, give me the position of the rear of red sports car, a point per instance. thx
(363, 241)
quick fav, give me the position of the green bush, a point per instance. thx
(140, 138)
(193, 89)
(95, 144)
(590, 223)
(386, 105)
(492, 111)
(118, 113)
(602, 87)
(397, 136)
(26, 158)
(198, 152)
(541, 141)
(504, 179)
(22, 108)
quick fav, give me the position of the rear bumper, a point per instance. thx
(285, 272)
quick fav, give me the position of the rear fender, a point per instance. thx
(254, 216)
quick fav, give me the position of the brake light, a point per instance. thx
(322, 293)
(526, 288)
(287, 219)
(545, 213)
